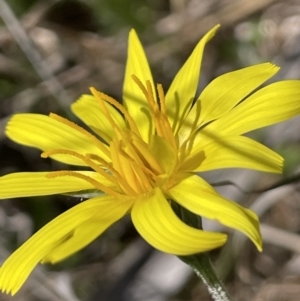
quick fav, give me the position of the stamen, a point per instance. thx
(98, 95)
(90, 180)
(153, 106)
(151, 99)
(186, 146)
(139, 163)
(159, 113)
(142, 178)
(161, 96)
(134, 178)
(117, 105)
(73, 125)
(83, 158)
(131, 154)
(143, 152)
(191, 132)
(116, 174)
(182, 152)
(115, 155)
(166, 126)
(140, 85)
(129, 166)
(101, 161)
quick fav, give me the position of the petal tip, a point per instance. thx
(259, 244)
(133, 35)
(274, 66)
(213, 30)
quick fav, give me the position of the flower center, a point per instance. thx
(133, 166)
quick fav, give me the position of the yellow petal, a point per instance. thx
(134, 99)
(24, 184)
(45, 244)
(234, 152)
(156, 222)
(196, 195)
(275, 103)
(46, 133)
(223, 93)
(88, 110)
(182, 91)
(109, 212)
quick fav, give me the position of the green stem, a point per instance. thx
(201, 263)
(202, 266)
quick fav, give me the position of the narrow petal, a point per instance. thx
(83, 235)
(88, 110)
(156, 222)
(60, 234)
(234, 152)
(108, 212)
(46, 133)
(133, 97)
(182, 91)
(196, 195)
(26, 184)
(275, 103)
(225, 92)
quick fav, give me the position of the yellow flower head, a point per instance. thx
(145, 153)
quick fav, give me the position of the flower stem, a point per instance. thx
(201, 263)
(202, 266)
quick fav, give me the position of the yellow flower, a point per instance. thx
(150, 151)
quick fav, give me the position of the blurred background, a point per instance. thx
(52, 51)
